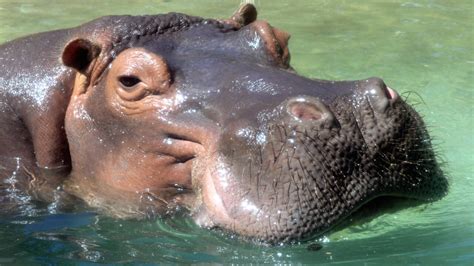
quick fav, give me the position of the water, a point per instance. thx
(426, 47)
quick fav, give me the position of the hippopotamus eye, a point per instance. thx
(129, 81)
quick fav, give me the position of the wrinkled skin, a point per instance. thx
(152, 113)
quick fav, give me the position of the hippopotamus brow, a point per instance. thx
(156, 26)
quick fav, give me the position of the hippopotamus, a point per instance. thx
(137, 116)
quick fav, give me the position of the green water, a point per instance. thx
(425, 47)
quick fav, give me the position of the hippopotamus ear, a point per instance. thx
(245, 15)
(79, 54)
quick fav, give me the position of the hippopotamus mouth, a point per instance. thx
(172, 110)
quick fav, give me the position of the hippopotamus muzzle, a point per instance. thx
(172, 111)
(306, 163)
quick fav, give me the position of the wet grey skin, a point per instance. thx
(287, 157)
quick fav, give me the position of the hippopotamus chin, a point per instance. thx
(137, 115)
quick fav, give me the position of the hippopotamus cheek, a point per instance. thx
(78, 125)
(132, 170)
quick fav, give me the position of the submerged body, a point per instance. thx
(138, 115)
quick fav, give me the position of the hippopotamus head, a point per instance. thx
(174, 110)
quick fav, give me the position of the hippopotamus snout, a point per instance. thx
(309, 160)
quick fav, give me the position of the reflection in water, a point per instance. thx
(12, 194)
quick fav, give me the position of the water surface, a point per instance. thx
(425, 47)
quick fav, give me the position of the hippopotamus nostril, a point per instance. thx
(307, 108)
(391, 93)
(305, 111)
(378, 93)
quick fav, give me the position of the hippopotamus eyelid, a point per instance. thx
(129, 81)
